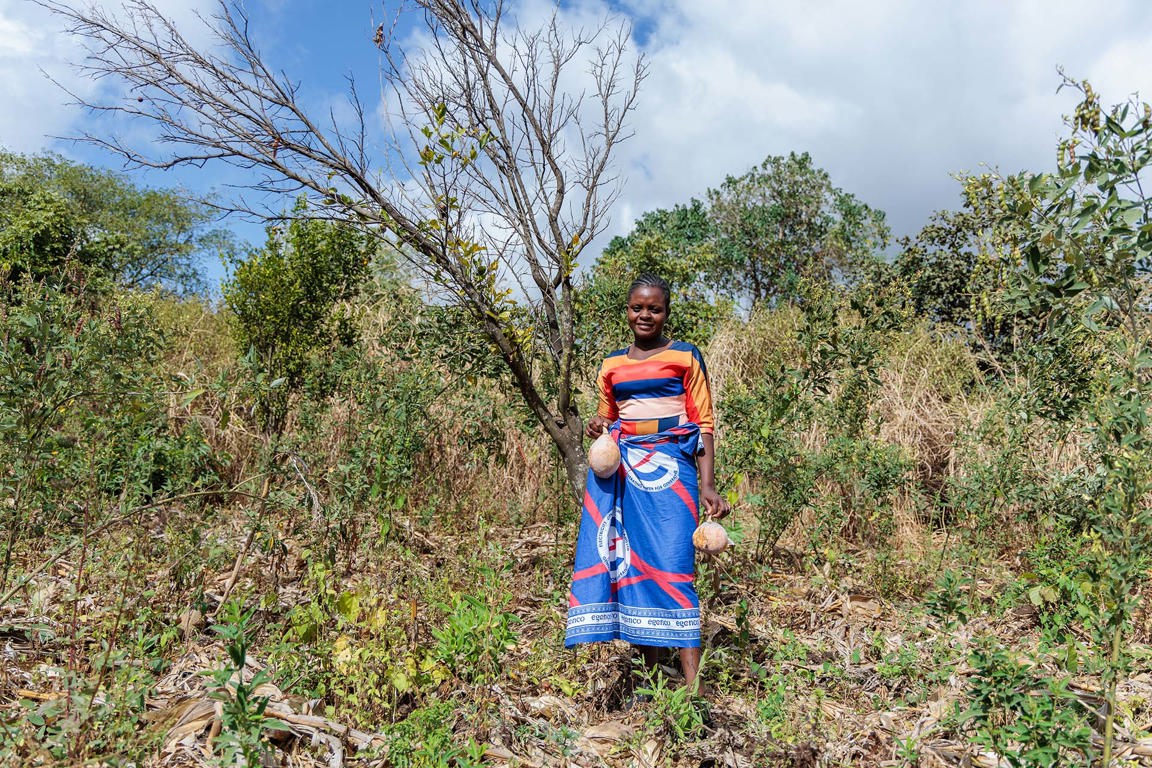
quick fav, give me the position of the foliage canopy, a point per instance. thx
(55, 213)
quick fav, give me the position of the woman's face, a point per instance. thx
(647, 313)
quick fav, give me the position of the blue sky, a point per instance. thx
(892, 97)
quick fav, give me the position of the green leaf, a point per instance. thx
(1085, 217)
(348, 605)
(190, 397)
(273, 724)
(1133, 214)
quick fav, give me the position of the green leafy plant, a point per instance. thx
(1030, 719)
(289, 300)
(1083, 254)
(81, 406)
(772, 700)
(1058, 584)
(242, 738)
(822, 376)
(951, 599)
(425, 739)
(673, 708)
(475, 634)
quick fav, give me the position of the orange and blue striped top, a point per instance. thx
(666, 390)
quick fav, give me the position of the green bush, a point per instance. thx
(425, 739)
(475, 634)
(290, 303)
(1031, 720)
(799, 424)
(60, 220)
(81, 406)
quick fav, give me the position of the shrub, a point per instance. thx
(288, 299)
(81, 409)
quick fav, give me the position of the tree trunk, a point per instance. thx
(567, 434)
(575, 459)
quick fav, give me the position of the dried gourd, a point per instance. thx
(711, 538)
(604, 456)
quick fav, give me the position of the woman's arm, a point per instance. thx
(698, 404)
(606, 410)
(715, 505)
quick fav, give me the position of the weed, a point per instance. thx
(772, 702)
(1030, 719)
(475, 635)
(950, 602)
(673, 709)
(561, 735)
(902, 664)
(243, 722)
(426, 739)
(81, 724)
(908, 751)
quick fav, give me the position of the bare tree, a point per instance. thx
(492, 171)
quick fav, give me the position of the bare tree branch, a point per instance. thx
(495, 170)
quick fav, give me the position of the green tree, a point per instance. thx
(961, 273)
(685, 228)
(676, 244)
(939, 268)
(1082, 253)
(783, 221)
(289, 299)
(754, 241)
(55, 213)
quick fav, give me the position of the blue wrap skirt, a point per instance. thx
(635, 564)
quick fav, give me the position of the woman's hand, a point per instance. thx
(596, 426)
(715, 505)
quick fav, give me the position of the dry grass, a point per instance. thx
(860, 674)
(740, 352)
(930, 392)
(811, 661)
(517, 474)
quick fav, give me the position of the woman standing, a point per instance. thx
(635, 563)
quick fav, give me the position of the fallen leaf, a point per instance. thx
(604, 737)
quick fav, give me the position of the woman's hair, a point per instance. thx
(648, 280)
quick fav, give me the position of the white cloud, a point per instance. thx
(1124, 69)
(891, 97)
(16, 39)
(35, 51)
(28, 50)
